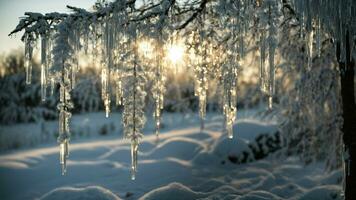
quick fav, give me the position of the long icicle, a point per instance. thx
(309, 44)
(44, 66)
(29, 43)
(134, 136)
(64, 116)
(262, 61)
(158, 89)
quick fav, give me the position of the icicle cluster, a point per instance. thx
(333, 17)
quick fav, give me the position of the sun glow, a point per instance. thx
(175, 53)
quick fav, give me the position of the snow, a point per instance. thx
(185, 164)
(89, 193)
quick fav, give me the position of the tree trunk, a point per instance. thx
(349, 116)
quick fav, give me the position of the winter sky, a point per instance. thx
(11, 10)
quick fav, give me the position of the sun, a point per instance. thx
(175, 53)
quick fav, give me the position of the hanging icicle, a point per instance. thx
(44, 66)
(134, 152)
(63, 52)
(64, 106)
(158, 88)
(53, 85)
(268, 39)
(272, 42)
(229, 72)
(104, 90)
(309, 43)
(29, 45)
(262, 60)
(200, 72)
(75, 59)
(229, 78)
(118, 88)
(134, 101)
(318, 37)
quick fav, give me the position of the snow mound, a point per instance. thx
(226, 146)
(260, 195)
(179, 147)
(88, 193)
(326, 192)
(287, 191)
(172, 191)
(249, 129)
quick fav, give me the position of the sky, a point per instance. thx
(11, 10)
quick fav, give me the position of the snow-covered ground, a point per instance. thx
(185, 164)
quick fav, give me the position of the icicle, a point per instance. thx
(74, 69)
(104, 83)
(52, 85)
(310, 48)
(158, 88)
(63, 153)
(262, 60)
(318, 35)
(43, 82)
(134, 152)
(229, 74)
(242, 48)
(134, 100)
(302, 25)
(118, 91)
(230, 96)
(230, 116)
(340, 33)
(158, 122)
(107, 105)
(64, 116)
(43, 67)
(28, 58)
(201, 86)
(271, 78)
(270, 102)
(202, 109)
(272, 43)
(105, 90)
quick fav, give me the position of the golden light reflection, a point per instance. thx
(175, 53)
(146, 49)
